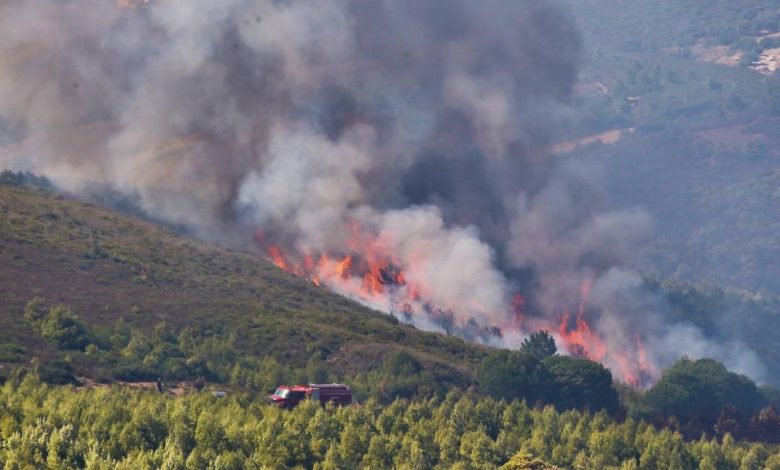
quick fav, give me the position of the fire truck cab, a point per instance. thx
(289, 396)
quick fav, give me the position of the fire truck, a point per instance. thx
(288, 396)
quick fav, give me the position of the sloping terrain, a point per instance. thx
(236, 310)
(703, 158)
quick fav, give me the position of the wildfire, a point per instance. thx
(278, 258)
(638, 373)
(631, 365)
(582, 341)
(518, 310)
(376, 275)
(373, 275)
(368, 272)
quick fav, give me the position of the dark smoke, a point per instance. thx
(424, 121)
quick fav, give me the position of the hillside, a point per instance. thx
(703, 151)
(91, 293)
(238, 311)
(641, 25)
(577, 199)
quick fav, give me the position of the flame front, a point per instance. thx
(373, 275)
(582, 340)
(368, 274)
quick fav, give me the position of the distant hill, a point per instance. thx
(643, 25)
(703, 151)
(691, 139)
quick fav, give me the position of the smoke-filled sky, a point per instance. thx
(410, 131)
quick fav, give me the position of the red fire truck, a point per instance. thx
(288, 396)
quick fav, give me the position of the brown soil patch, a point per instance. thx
(609, 137)
(716, 55)
(731, 137)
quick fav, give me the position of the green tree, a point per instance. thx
(540, 345)
(380, 453)
(35, 310)
(478, 448)
(696, 392)
(666, 450)
(514, 374)
(63, 329)
(581, 384)
(524, 461)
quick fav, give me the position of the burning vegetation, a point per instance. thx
(374, 276)
(394, 152)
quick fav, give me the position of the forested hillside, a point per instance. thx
(89, 295)
(87, 292)
(698, 143)
(636, 25)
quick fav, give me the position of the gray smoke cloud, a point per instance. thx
(414, 129)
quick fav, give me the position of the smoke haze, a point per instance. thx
(407, 133)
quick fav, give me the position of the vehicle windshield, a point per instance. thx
(281, 392)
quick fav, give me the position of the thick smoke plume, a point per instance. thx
(394, 151)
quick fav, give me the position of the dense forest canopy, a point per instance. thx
(62, 428)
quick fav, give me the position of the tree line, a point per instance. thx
(43, 426)
(694, 397)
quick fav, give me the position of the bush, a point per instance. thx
(35, 310)
(582, 384)
(24, 179)
(536, 373)
(11, 352)
(57, 325)
(57, 372)
(540, 345)
(61, 328)
(697, 392)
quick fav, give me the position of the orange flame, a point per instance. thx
(370, 272)
(278, 257)
(582, 340)
(635, 370)
(632, 367)
(343, 266)
(369, 262)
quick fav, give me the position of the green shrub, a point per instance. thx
(11, 352)
(57, 372)
(35, 310)
(57, 325)
(25, 179)
(61, 328)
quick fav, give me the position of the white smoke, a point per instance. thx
(423, 122)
